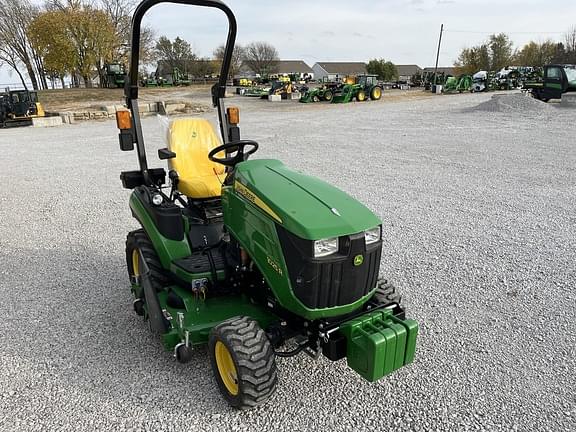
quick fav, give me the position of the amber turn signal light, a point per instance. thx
(123, 120)
(233, 114)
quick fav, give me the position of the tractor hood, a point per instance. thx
(306, 206)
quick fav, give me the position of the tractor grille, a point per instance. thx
(335, 280)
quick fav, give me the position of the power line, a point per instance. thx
(507, 32)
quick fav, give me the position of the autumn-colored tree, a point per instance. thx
(538, 54)
(79, 37)
(492, 55)
(472, 60)
(49, 39)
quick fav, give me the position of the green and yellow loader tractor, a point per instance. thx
(317, 94)
(557, 80)
(366, 87)
(250, 257)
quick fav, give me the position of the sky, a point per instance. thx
(403, 31)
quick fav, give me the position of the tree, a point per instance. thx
(9, 58)
(538, 54)
(202, 67)
(261, 58)
(386, 70)
(500, 51)
(46, 36)
(472, 60)
(78, 37)
(236, 61)
(177, 54)
(570, 46)
(492, 55)
(15, 48)
(120, 12)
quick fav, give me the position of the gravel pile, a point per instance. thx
(513, 103)
(479, 239)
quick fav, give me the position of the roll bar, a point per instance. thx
(218, 91)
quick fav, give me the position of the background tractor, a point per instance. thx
(460, 84)
(366, 86)
(317, 94)
(18, 107)
(254, 259)
(115, 75)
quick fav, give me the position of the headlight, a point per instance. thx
(372, 235)
(157, 199)
(325, 247)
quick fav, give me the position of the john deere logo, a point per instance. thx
(358, 260)
(194, 134)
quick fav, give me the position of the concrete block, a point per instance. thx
(67, 117)
(153, 107)
(46, 121)
(143, 107)
(275, 98)
(569, 100)
(295, 96)
(175, 107)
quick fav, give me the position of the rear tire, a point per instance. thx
(376, 93)
(328, 95)
(243, 362)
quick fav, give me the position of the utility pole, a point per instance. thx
(437, 56)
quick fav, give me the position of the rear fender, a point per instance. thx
(167, 249)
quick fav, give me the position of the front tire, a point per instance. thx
(243, 362)
(138, 241)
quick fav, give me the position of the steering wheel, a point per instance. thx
(236, 147)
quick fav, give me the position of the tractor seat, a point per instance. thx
(192, 139)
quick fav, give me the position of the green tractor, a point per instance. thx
(317, 94)
(115, 75)
(460, 84)
(366, 86)
(180, 78)
(250, 257)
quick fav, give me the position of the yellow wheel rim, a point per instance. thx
(361, 96)
(377, 93)
(226, 368)
(136, 262)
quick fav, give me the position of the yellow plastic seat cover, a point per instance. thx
(192, 139)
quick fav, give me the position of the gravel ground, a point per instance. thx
(479, 219)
